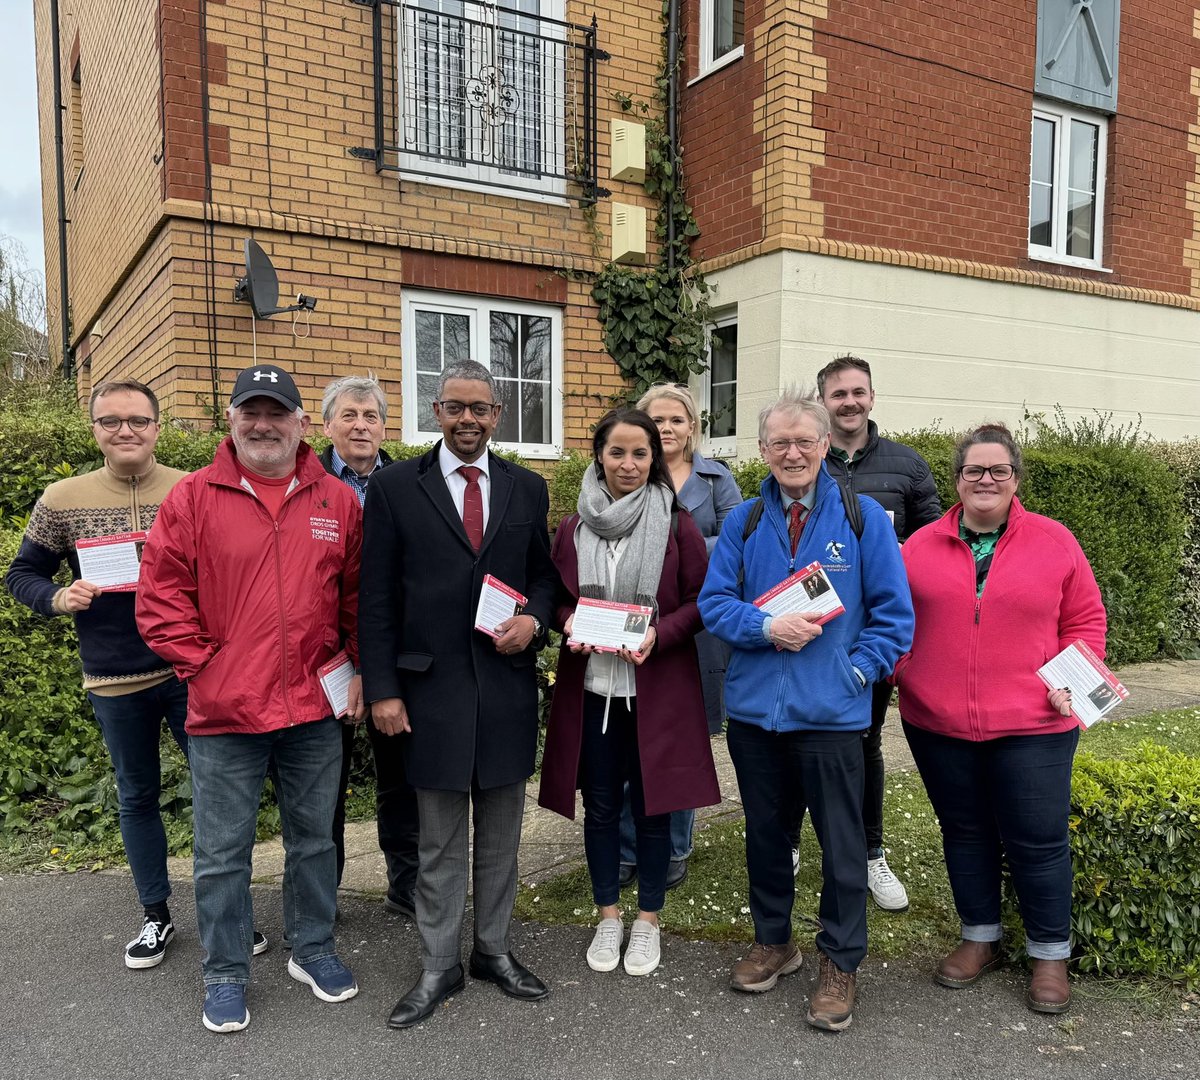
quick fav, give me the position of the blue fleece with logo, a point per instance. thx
(816, 688)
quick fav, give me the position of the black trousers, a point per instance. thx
(395, 808)
(827, 768)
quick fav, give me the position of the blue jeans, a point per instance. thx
(227, 780)
(607, 762)
(824, 769)
(1004, 799)
(680, 831)
(131, 725)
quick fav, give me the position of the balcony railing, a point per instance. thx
(485, 95)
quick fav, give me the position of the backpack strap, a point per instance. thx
(748, 526)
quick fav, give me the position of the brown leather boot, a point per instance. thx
(762, 968)
(968, 963)
(831, 1007)
(1049, 991)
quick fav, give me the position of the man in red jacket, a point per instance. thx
(249, 585)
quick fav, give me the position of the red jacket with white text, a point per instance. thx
(246, 608)
(972, 671)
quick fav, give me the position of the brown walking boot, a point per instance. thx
(1049, 991)
(968, 963)
(760, 970)
(831, 1007)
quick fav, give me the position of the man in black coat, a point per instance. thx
(898, 478)
(354, 412)
(433, 527)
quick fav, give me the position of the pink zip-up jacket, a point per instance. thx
(972, 671)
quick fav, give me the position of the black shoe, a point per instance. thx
(431, 989)
(676, 873)
(626, 875)
(261, 944)
(400, 902)
(508, 973)
(150, 946)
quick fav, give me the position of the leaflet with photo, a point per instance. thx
(335, 675)
(497, 602)
(1095, 690)
(608, 626)
(112, 562)
(808, 591)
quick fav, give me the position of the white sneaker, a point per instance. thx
(643, 954)
(795, 861)
(885, 887)
(604, 953)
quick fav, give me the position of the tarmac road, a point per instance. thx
(69, 1008)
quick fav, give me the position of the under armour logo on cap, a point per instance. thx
(267, 381)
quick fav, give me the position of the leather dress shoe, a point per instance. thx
(508, 973)
(677, 871)
(431, 989)
(400, 902)
(626, 875)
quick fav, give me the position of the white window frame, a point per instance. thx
(478, 177)
(478, 309)
(1061, 117)
(709, 63)
(725, 447)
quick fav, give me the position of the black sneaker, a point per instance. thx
(260, 943)
(150, 946)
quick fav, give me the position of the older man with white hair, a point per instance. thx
(249, 585)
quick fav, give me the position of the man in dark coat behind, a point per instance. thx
(433, 528)
(354, 412)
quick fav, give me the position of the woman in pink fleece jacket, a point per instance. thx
(997, 592)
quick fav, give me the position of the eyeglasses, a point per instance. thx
(479, 409)
(781, 446)
(113, 423)
(999, 473)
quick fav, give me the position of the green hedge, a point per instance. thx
(1135, 835)
(1183, 459)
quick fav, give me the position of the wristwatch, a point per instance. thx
(537, 624)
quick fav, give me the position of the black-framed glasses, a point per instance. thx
(999, 473)
(781, 446)
(479, 409)
(113, 423)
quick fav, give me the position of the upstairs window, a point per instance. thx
(722, 32)
(1066, 186)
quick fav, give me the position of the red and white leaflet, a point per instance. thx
(808, 591)
(335, 675)
(112, 562)
(497, 602)
(608, 626)
(1095, 690)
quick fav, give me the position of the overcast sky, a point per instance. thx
(20, 183)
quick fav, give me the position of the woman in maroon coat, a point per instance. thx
(633, 716)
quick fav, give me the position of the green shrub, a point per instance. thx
(565, 483)
(1183, 459)
(1135, 834)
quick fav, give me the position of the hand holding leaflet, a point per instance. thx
(807, 592)
(1094, 690)
(497, 603)
(607, 626)
(111, 562)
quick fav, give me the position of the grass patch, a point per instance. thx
(713, 903)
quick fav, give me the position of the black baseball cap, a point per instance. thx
(266, 380)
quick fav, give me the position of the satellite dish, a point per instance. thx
(260, 286)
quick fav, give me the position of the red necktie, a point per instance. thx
(473, 505)
(796, 518)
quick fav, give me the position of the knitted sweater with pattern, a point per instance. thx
(100, 503)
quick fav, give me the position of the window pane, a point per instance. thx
(426, 391)
(508, 427)
(1084, 138)
(723, 419)
(1043, 151)
(1081, 222)
(724, 355)
(536, 354)
(535, 417)
(728, 26)
(504, 344)
(1041, 224)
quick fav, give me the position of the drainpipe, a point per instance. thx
(672, 120)
(60, 184)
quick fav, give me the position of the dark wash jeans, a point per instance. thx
(826, 768)
(131, 725)
(606, 763)
(1003, 799)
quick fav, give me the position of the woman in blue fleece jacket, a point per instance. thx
(797, 694)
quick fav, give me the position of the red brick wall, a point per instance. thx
(927, 119)
(721, 149)
(482, 277)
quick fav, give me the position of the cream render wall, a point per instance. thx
(958, 350)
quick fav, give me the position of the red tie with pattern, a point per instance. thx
(796, 516)
(473, 505)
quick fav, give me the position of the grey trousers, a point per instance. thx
(441, 892)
